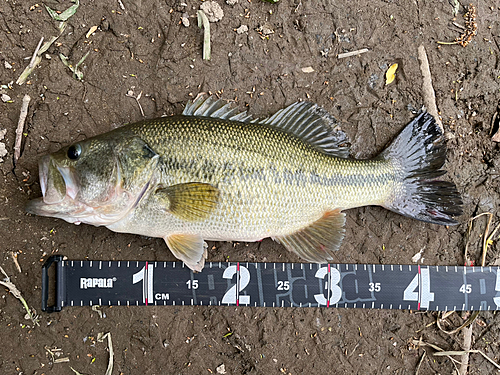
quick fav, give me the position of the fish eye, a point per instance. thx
(74, 151)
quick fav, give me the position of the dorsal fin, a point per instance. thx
(216, 108)
(313, 124)
(305, 120)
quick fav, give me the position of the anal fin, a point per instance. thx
(189, 248)
(317, 242)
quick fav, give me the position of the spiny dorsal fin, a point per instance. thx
(305, 120)
(216, 108)
(313, 124)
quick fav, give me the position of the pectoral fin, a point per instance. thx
(191, 249)
(192, 201)
(317, 242)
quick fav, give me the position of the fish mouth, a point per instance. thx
(59, 189)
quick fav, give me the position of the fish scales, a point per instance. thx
(213, 173)
(271, 183)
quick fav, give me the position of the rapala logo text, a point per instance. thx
(96, 282)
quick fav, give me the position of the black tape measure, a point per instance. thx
(134, 283)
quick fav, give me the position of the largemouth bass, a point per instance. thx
(213, 173)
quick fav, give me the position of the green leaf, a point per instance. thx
(67, 14)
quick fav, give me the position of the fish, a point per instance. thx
(215, 173)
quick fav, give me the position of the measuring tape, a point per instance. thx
(133, 283)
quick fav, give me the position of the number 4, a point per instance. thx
(419, 289)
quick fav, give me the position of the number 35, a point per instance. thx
(374, 287)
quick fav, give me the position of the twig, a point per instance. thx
(443, 353)
(458, 25)
(447, 43)
(420, 362)
(76, 372)
(471, 319)
(487, 243)
(427, 89)
(35, 54)
(465, 356)
(203, 21)
(35, 60)
(486, 239)
(100, 337)
(435, 347)
(14, 259)
(353, 53)
(20, 127)
(130, 94)
(16, 293)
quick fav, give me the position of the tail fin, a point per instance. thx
(419, 153)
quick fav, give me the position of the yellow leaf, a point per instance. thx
(390, 75)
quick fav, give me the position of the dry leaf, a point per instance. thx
(390, 75)
(91, 31)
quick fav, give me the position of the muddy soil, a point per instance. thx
(143, 46)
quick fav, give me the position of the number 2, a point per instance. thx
(230, 296)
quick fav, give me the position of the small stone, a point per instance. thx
(242, 29)
(213, 11)
(266, 29)
(6, 98)
(3, 151)
(185, 19)
(7, 65)
(231, 2)
(221, 369)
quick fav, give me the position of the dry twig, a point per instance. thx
(20, 127)
(16, 263)
(466, 346)
(427, 89)
(130, 94)
(16, 293)
(443, 353)
(353, 53)
(420, 362)
(420, 343)
(470, 320)
(100, 337)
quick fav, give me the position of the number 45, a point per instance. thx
(466, 288)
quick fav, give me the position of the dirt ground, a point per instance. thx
(143, 46)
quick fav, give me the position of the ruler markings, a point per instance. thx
(282, 285)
